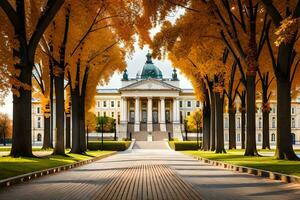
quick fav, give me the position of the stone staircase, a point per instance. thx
(154, 136)
(159, 135)
(140, 136)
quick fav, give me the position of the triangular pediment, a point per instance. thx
(150, 84)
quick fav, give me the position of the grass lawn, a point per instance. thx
(33, 149)
(265, 162)
(15, 166)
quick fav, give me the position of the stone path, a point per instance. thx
(151, 174)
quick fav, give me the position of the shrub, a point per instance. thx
(184, 145)
(109, 145)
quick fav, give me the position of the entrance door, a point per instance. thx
(167, 116)
(131, 117)
(144, 116)
(155, 117)
(293, 138)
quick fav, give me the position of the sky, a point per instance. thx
(134, 63)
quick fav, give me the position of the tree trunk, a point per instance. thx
(219, 123)
(68, 131)
(82, 137)
(75, 121)
(60, 112)
(243, 119)
(21, 138)
(46, 139)
(251, 129)
(232, 130)
(212, 120)
(266, 133)
(284, 147)
(51, 105)
(206, 127)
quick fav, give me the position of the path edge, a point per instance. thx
(253, 171)
(36, 174)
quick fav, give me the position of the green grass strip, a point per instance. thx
(268, 163)
(10, 166)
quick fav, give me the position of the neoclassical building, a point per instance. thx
(147, 103)
(151, 103)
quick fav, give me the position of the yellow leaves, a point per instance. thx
(194, 120)
(287, 30)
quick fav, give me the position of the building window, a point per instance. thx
(104, 104)
(104, 114)
(98, 114)
(226, 124)
(119, 104)
(112, 104)
(189, 104)
(188, 113)
(197, 103)
(38, 110)
(273, 109)
(293, 122)
(98, 104)
(38, 122)
(273, 122)
(259, 122)
(112, 114)
(293, 111)
(180, 104)
(119, 117)
(238, 137)
(39, 137)
(238, 125)
(273, 137)
(226, 137)
(259, 137)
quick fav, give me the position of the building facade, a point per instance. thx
(152, 103)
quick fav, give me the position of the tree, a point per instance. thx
(5, 128)
(24, 36)
(285, 62)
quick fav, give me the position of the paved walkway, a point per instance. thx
(151, 174)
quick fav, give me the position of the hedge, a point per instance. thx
(109, 145)
(184, 145)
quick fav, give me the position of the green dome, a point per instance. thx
(150, 70)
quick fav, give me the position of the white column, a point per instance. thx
(124, 113)
(176, 123)
(175, 110)
(137, 115)
(162, 115)
(149, 115)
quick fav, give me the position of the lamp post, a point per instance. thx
(87, 136)
(197, 134)
(98, 127)
(115, 130)
(186, 129)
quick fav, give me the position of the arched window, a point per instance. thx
(259, 122)
(39, 122)
(273, 122)
(238, 125)
(226, 124)
(273, 137)
(39, 137)
(259, 137)
(293, 123)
